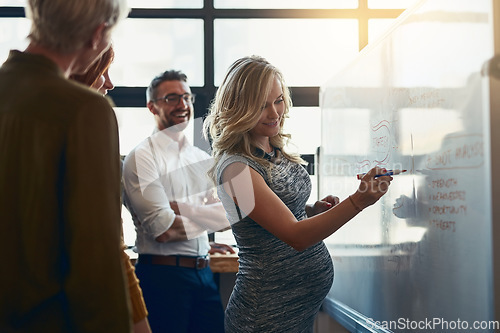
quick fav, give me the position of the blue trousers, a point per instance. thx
(181, 300)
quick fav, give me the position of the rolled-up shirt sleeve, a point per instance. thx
(145, 194)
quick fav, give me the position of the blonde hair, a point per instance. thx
(237, 108)
(66, 25)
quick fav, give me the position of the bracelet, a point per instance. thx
(354, 205)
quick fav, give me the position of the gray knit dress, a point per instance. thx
(277, 289)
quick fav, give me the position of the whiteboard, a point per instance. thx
(416, 100)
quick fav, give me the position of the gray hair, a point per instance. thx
(170, 75)
(66, 25)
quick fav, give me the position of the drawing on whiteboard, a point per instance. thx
(380, 145)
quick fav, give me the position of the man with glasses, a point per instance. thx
(173, 204)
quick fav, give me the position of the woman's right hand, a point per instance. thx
(371, 188)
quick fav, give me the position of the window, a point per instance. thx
(14, 3)
(377, 28)
(308, 40)
(280, 4)
(301, 48)
(146, 47)
(165, 3)
(134, 125)
(391, 3)
(13, 32)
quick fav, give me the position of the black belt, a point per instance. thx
(180, 261)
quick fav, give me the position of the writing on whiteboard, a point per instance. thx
(458, 152)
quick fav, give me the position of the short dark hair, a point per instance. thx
(170, 75)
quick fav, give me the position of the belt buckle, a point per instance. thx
(200, 263)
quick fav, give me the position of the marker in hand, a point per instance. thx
(388, 173)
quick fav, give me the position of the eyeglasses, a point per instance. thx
(174, 99)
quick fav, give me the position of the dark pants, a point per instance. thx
(181, 299)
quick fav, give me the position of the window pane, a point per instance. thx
(165, 3)
(391, 4)
(133, 3)
(304, 125)
(129, 233)
(134, 125)
(377, 28)
(13, 3)
(13, 32)
(307, 51)
(290, 4)
(147, 47)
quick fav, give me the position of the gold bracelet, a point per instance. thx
(354, 205)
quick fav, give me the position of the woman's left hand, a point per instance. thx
(322, 205)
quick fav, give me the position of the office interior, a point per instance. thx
(310, 41)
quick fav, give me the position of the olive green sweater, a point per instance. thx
(62, 269)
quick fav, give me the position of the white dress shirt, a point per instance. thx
(160, 170)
